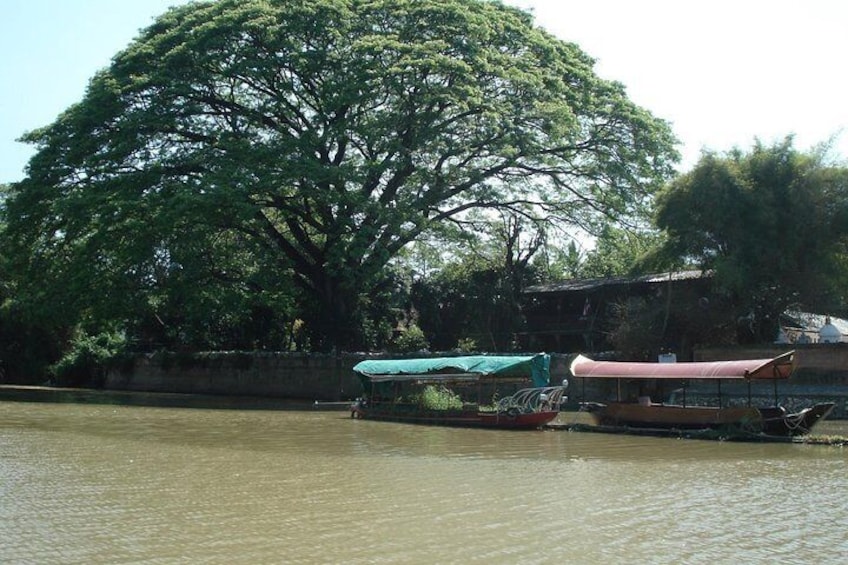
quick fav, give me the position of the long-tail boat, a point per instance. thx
(509, 392)
(642, 413)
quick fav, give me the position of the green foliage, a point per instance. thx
(622, 252)
(439, 398)
(88, 358)
(412, 339)
(770, 223)
(466, 345)
(245, 154)
(4, 191)
(476, 294)
(27, 346)
(678, 318)
(494, 406)
(823, 439)
(464, 302)
(559, 261)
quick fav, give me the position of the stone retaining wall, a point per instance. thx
(282, 375)
(822, 374)
(825, 364)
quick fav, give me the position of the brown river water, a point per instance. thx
(102, 483)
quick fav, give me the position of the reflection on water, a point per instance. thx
(97, 483)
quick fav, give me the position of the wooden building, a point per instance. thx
(578, 315)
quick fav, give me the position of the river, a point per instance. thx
(107, 483)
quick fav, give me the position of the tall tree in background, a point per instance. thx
(771, 223)
(293, 148)
(622, 252)
(476, 296)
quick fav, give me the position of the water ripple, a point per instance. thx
(102, 484)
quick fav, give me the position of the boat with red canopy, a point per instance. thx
(640, 412)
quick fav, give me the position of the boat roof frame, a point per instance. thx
(460, 369)
(776, 368)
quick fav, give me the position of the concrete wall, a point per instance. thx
(825, 364)
(822, 374)
(282, 375)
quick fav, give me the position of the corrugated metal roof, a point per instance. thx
(812, 322)
(590, 284)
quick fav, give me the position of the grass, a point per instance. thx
(825, 440)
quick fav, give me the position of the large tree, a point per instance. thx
(316, 139)
(773, 225)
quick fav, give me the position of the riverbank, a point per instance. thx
(821, 376)
(64, 395)
(276, 380)
(834, 433)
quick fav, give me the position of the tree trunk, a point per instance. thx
(333, 316)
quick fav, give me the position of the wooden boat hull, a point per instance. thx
(467, 419)
(770, 421)
(799, 423)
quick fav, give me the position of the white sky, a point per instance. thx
(722, 72)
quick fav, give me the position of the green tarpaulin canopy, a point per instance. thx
(456, 369)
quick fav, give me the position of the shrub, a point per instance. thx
(413, 339)
(88, 358)
(440, 398)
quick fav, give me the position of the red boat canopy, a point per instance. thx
(778, 368)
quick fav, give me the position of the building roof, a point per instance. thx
(808, 321)
(573, 285)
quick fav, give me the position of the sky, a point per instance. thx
(723, 73)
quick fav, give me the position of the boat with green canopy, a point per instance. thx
(489, 391)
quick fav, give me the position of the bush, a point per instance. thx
(87, 360)
(413, 339)
(440, 398)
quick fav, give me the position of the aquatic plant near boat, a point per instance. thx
(826, 440)
(439, 398)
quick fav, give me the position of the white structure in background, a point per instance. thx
(805, 327)
(667, 357)
(829, 333)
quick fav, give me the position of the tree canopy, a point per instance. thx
(244, 154)
(621, 252)
(771, 223)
